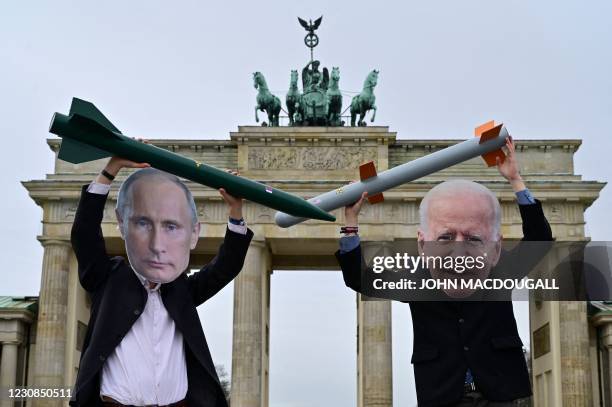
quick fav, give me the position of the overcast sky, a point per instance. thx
(183, 69)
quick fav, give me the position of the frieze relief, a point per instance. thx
(400, 212)
(309, 158)
(212, 211)
(66, 211)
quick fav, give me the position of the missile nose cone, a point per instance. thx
(279, 219)
(285, 220)
(314, 212)
(52, 123)
(328, 217)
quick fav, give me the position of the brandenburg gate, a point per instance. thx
(308, 161)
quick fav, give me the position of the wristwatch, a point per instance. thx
(237, 222)
(108, 175)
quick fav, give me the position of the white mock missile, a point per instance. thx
(488, 143)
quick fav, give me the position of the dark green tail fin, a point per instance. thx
(76, 152)
(89, 110)
(83, 113)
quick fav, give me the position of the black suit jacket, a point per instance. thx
(452, 336)
(118, 298)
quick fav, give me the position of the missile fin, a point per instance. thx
(374, 199)
(491, 158)
(367, 170)
(76, 152)
(487, 133)
(490, 133)
(484, 127)
(89, 110)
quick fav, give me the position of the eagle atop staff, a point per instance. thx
(310, 26)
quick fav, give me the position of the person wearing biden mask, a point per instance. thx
(144, 344)
(465, 353)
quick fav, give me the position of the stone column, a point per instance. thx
(250, 330)
(8, 369)
(51, 328)
(575, 362)
(374, 364)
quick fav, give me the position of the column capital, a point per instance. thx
(603, 320)
(11, 342)
(373, 248)
(22, 315)
(261, 243)
(605, 333)
(54, 240)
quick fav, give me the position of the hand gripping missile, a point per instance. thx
(87, 135)
(488, 142)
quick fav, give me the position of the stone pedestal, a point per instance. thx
(250, 347)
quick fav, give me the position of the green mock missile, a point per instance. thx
(88, 135)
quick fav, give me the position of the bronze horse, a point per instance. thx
(266, 101)
(365, 100)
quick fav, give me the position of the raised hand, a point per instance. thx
(509, 169)
(351, 212)
(234, 204)
(115, 164)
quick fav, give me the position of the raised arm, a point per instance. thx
(349, 256)
(534, 223)
(226, 265)
(229, 259)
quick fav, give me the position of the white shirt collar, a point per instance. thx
(145, 282)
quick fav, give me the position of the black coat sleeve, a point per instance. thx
(535, 224)
(351, 263)
(88, 243)
(226, 265)
(521, 260)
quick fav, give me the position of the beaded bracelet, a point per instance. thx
(349, 229)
